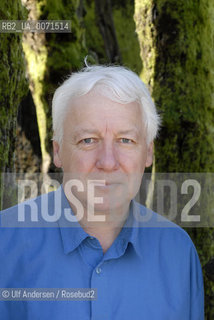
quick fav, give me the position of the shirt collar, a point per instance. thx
(72, 239)
(71, 232)
(130, 231)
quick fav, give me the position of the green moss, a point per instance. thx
(146, 36)
(176, 41)
(94, 40)
(13, 84)
(69, 48)
(36, 68)
(184, 84)
(51, 57)
(123, 12)
(127, 37)
(65, 52)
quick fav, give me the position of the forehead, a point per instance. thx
(96, 109)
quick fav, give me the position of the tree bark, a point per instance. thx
(13, 86)
(56, 55)
(176, 40)
(103, 10)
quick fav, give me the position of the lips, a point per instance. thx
(111, 183)
(105, 185)
(103, 182)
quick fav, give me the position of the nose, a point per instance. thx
(107, 157)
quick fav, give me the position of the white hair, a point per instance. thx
(124, 85)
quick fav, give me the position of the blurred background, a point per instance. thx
(169, 43)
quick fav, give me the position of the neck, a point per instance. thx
(103, 223)
(105, 235)
(105, 231)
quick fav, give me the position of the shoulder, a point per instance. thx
(28, 213)
(23, 225)
(168, 245)
(25, 242)
(161, 232)
(168, 250)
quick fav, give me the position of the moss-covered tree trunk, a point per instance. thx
(50, 58)
(12, 84)
(110, 33)
(176, 40)
(105, 22)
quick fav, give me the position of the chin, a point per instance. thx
(109, 210)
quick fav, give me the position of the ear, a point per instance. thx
(149, 158)
(56, 156)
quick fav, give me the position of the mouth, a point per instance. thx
(107, 186)
(104, 183)
(110, 183)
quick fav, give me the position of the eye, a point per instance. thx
(126, 140)
(88, 141)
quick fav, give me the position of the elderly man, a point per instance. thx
(104, 124)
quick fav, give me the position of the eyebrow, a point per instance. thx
(85, 131)
(93, 131)
(129, 131)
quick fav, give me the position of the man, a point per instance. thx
(141, 267)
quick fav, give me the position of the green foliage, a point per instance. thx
(66, 51)
(127, 37)
(123, 12)
(94, 41)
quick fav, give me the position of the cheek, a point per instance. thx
(133, 162)
(80, 162)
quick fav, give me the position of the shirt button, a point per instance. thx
(98, 270)
(92, 238)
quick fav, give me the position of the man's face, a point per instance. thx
(104, 140)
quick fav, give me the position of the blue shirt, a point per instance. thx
(151, 271)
